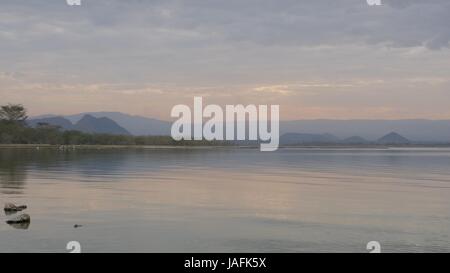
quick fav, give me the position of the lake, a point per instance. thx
(227, 199)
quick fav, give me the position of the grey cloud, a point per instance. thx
(402, 23)
(217, 41)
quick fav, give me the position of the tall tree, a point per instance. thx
(13, 113)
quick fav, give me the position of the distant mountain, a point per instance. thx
(298, 139)
(330, 138)
(319, 139)
(355, 140)
(136, 125)
(90, 124)
(393, 138)
(416, 130)
(87, 124)
(65, 124)
(46, 116)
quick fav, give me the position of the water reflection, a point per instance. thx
(9, 212)
(227, 200)
(23, 225)
(103, 164)
(13, 173)
(16, 163)
(20, 222)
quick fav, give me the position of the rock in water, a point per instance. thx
(24, 218)
(21, 225)
(9, 207)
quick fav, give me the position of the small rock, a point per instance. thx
(24, 218)
(25, 225)
(9, 207)
(77, 226)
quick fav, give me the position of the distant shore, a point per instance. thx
(203, 147)
(100, 147)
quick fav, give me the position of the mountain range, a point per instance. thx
(134, 125)
(292, 139)
(87, 124)
(417, 130)
(342, 131)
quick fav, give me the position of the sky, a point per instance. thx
(315, 58)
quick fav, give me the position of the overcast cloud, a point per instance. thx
(316, 58)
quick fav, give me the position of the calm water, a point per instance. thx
(228, 200)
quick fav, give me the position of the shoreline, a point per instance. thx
(171, 147)
(103, 147)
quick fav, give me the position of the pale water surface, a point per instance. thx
(228, 200)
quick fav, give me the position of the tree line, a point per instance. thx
(15, 130)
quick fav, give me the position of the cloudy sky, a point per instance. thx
(315, 58)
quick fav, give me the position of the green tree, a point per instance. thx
(15, 113)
